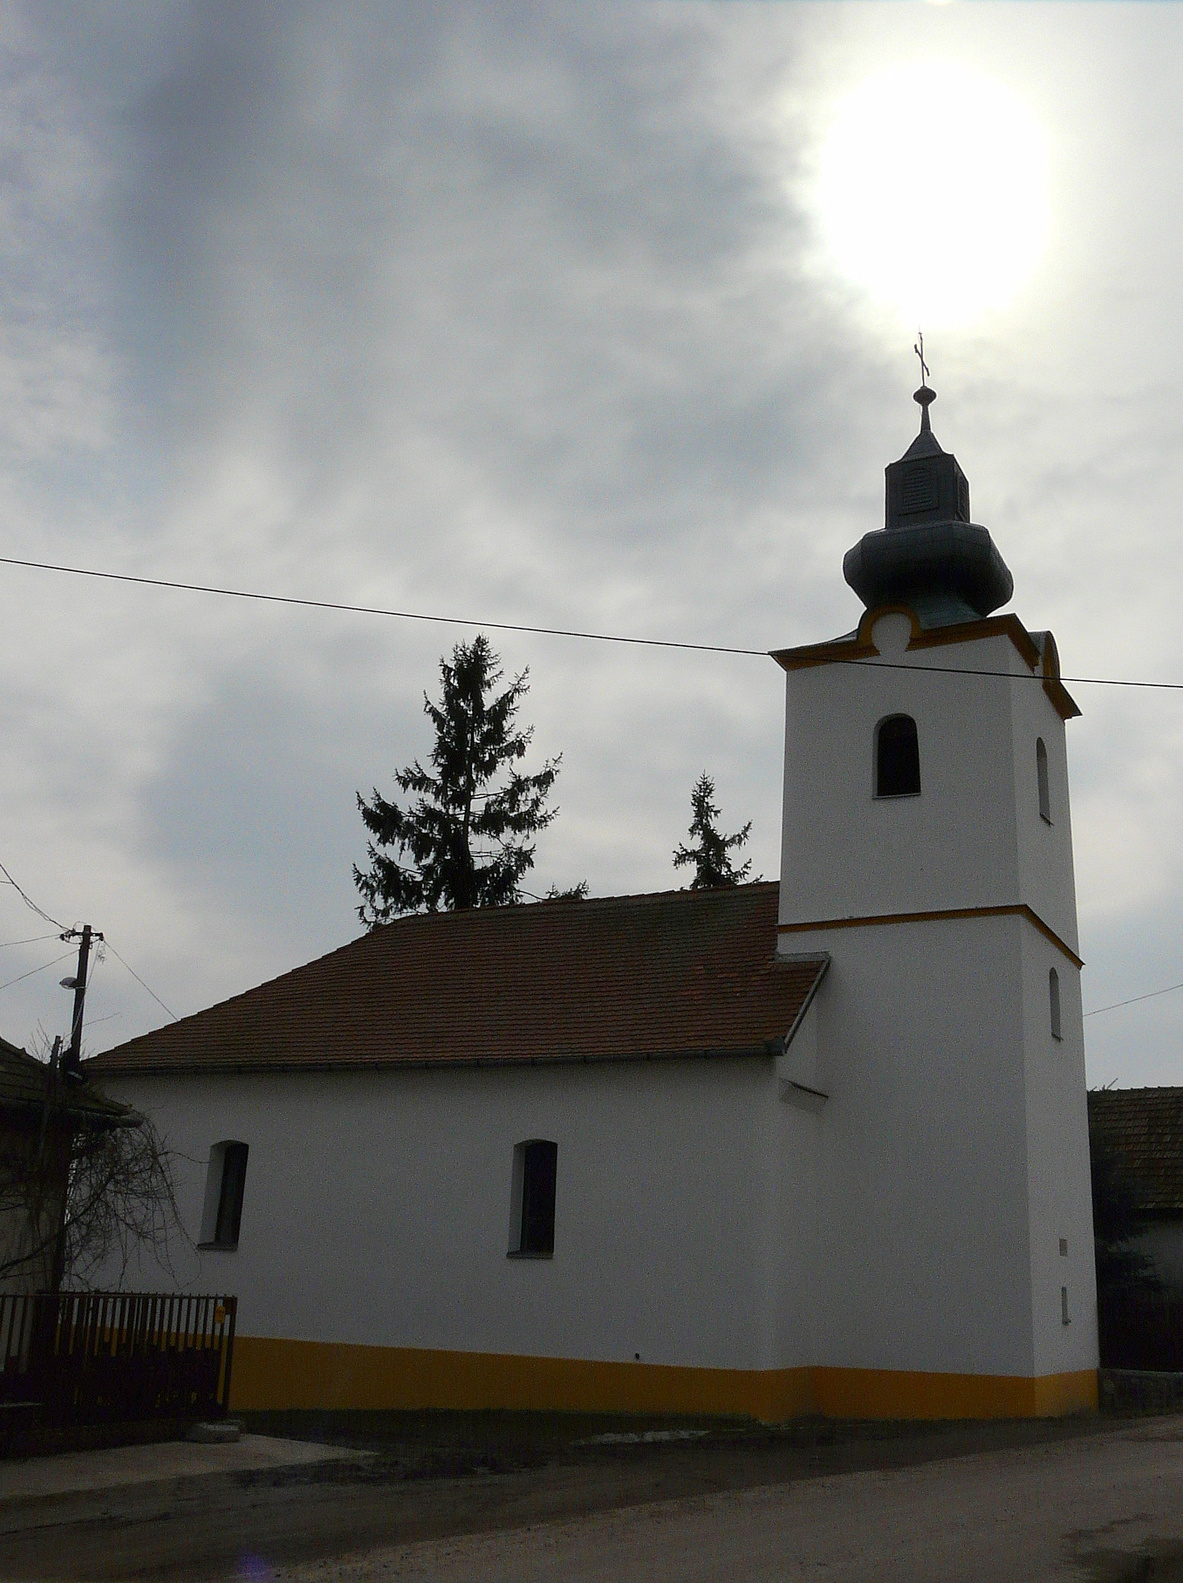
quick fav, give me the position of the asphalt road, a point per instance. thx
(1084, 1501)
(1106, 1508)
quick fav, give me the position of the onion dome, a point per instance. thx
(929, 556)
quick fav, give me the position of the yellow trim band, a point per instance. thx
(274, 1373)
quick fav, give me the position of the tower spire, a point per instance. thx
(924, 395)
(932, 558)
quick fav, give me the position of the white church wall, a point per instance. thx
(791, 1252)
(377, 1206)
(847, 853)
(1059, 1182)
(921, 1197)
(1047, 879)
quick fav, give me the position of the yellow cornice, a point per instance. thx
(861, 647)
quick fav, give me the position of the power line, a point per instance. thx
(140, 981)
(28, 900)
(43, 968)
(376, 610)
(33, 940)
(343, 607)
(1133, 1001)
(539, 631)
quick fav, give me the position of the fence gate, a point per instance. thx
(117, 1357)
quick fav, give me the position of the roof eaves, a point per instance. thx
(770, 1047)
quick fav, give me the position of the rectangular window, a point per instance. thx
(224, 1186)
(1045, 800)
(1064, 1319)
(1053, 995)
(532, 1214)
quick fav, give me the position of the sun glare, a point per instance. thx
(933, 192)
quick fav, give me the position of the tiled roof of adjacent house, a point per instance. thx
(1145, 1127)
(680, 973)
(25, 1083)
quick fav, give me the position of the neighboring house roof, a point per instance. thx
(1145, 1129)
(682, 973)
(24, 1083)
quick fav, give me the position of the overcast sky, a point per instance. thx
(530, 313)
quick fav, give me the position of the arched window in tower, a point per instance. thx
(897, 757)
(1053, 995)
(1045, 802)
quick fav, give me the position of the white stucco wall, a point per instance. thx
(973, 837)
(1046, 872)
(952, 1154)
(1058, 1176)
(377, 1208)
(921, 1204)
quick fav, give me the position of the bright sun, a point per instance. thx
(933, 191)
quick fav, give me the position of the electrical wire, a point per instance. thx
(140, 981)
(93, 1022)
(28, 900)
(1133, 1001)
(507, 626)
(45, 966)
(33, 940)
(373, 610)
(550, 632)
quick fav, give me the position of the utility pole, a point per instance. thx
(72, 1059)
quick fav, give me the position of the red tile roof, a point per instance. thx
(1145, 1128)
(680, 973)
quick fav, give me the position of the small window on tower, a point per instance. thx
(897, 757)
(1053, 992)
(532, 1211)
(1045, 802)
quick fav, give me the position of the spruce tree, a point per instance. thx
(463, 841)
(711, 853)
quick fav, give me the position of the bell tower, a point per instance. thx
(927, 848)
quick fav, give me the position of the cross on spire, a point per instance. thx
(919, 350)
(924, 395)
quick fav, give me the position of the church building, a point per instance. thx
(819, 1146)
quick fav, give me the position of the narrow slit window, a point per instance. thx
(1045, 802)
(897, 757)
(1053, 995)
(532, 1227)
(225, 1185)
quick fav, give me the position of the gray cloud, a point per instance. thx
(517, 312)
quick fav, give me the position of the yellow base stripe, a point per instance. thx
(899, 1393)
(273, 1373)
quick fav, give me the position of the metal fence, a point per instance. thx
(116, 1357)
(1140, 1330)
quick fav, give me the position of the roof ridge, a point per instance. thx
(1148, 1088)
